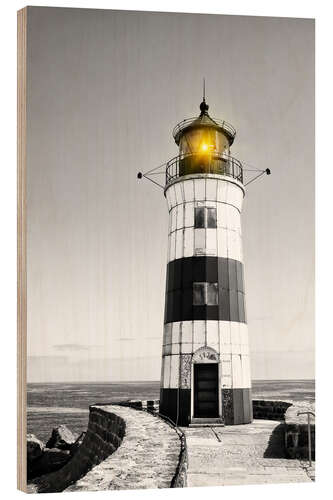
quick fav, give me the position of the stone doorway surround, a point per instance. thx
(204, 355)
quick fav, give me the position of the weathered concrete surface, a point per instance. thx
(147, 458)
(240, 454)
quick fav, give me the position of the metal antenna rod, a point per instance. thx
(204, 90)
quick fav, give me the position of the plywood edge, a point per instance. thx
(21, 250)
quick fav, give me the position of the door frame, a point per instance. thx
(197, 367)
(201, 356)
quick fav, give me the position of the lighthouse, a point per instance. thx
(205, 375)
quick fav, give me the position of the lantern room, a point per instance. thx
(204, 147)
(203, 134)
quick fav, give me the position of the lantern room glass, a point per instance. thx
(203, 150)
(203, 140)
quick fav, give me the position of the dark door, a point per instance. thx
(206, 401)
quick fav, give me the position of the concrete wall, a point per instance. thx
(104, 435)
(296, 431)
(152, 453)
(269, 410)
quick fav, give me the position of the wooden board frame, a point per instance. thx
(21, 249)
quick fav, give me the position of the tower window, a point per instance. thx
(205, 294)
(204, 217)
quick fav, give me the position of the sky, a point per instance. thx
(105, 89)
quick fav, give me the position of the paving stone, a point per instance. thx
(238, 456)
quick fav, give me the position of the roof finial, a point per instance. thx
(203, 106)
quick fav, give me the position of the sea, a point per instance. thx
(50, 405)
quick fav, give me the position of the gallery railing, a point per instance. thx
(208, 163)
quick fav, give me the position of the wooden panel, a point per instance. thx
(21, 250)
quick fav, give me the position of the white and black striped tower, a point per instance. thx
(205, 361)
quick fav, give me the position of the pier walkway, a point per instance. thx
(240, 454)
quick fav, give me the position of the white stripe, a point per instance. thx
(189, 214)
(200, 189)
(237, 374)
(211, 189)
(167, 336)
(222, 243)
(167, 364)
(170, 193)
(234, 332)
(236, 349)
(176, 332)
(189, 190)
(162, 372)
(233, 217)
(199, 332)
(234, 245)
(246, 371)
(225, 349)
(175, 349)
(222, 215)
(225, 337)
(179, 192)
(174, 373)
(189, 242)
(226, 382)
(180, 216)
(243, 332)
(186, 332)
(200, 241)
(226, 365)
(179, 244)
(172, 246)
(173, 216)
(211, 241)
(235, 196)
(222, 190)
(245, 350)
(207, 242)
(167, 350)
(213, 334)
(186, 348)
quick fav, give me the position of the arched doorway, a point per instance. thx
(206, 394)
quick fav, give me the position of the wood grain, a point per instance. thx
(21, 249)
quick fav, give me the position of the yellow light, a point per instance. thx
(204, 147)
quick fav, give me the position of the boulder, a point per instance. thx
(77, 443)
(50, 461)
(35, 447)
(61, 438)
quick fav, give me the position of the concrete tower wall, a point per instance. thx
(215, 332)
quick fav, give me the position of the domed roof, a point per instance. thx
(204, 120)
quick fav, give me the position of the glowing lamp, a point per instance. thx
(203, 143)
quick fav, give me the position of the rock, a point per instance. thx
(50, 461)
(77, 444)
(35, 447)
(61, 438)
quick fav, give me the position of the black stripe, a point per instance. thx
(170, 399)
(236, 405)
(182, 273)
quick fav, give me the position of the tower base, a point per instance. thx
(236, 406)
